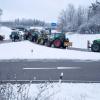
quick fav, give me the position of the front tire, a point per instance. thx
(95, 47)
(30, 38)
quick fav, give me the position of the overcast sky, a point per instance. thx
(46, 10)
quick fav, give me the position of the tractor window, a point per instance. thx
(59, 35)
(14, 33)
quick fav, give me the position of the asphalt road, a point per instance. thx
(43, 70)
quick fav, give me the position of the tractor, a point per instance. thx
(31, 35)
(16, 36)
(58, 40)
(42, 38)
(95, 46)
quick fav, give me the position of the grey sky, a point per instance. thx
(47, 10)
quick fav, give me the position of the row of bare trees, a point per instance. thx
(0, 14)
(84, 20)
(23, 22)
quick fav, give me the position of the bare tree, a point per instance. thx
(0, 13)
(81, 16)
(92, 26)
(66, 18)
(70, 13)
(62, 20)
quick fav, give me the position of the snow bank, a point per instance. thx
(28, 50)
(80, 40)
(5, 31)
(51, 91)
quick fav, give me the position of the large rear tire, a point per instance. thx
(1, 38)
(41, 41)
(57, 43)
(95, 47)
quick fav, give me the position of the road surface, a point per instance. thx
(43, 70)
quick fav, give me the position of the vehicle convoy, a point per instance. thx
(58, 40)
(31, 35)
(16, 36)
(95, 46)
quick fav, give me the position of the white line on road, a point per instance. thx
(39, 68)
(51, 68)
(68, 67)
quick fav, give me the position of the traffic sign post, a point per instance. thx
(53, 25)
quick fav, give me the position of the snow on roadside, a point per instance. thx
(5, 31)
(79, 92)
(80, 40)
(28, 50)
(51, 91)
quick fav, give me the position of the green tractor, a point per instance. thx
(16, 36)
(31, 35)
(58, 40)
(42, 38)
(95, 47)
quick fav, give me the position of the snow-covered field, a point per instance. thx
(80, 40)
(5, 31)
(28, 50)
(50, 91)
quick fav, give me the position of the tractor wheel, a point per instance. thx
(95, 47)
(1, 38)
(30, 38)
(20, 38)
(38, 41)
(57, 43)
(24, 37)
(41, 41)
(13, 40)
(48, 44)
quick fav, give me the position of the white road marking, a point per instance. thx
(68, 67)
(59, 68)
(38, 68)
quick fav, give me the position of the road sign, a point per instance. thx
(53, 24)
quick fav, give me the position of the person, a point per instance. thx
(88, 44)
(67, 40)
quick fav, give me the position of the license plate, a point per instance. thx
(65, 43)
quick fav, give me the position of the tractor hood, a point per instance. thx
(97, 41)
